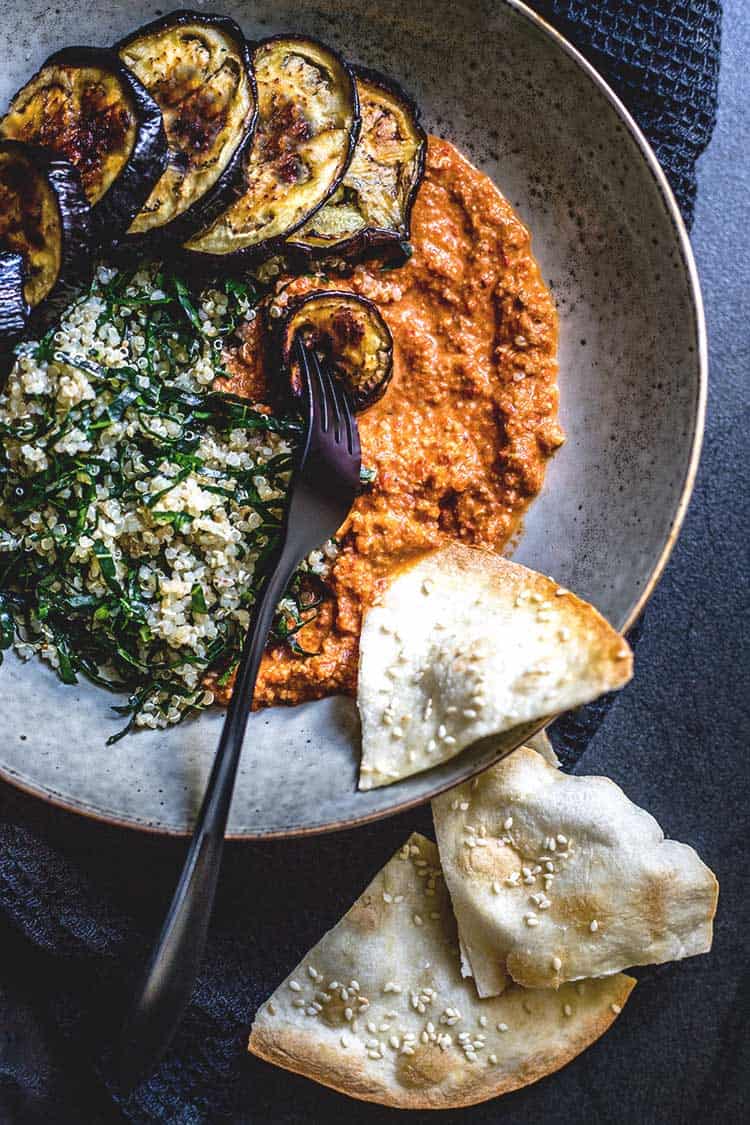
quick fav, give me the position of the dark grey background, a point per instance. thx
(676, 740)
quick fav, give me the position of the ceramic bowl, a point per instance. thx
(530, 112)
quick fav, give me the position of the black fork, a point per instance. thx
(323, 487)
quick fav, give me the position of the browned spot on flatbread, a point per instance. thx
(428, 1066)
(496, 860)
(366, 914)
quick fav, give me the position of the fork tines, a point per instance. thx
(330, 409)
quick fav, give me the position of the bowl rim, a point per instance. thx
(69, 805)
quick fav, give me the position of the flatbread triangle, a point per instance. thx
(464, 645)
(379, 1011)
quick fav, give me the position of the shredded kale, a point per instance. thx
(45, 593)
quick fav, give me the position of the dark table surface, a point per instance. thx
(676, 740)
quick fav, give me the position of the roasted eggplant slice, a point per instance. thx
(44, 217)
(14, 311)
(372, 206)
(308, 125)
(85, 105)
(349, 332)
(198, 70)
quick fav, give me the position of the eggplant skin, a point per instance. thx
(308, 126)
(14, 311)
(45, 217)
(349, 331)
(371, 210)
(198, 68)
(88, 107)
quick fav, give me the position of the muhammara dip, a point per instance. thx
(460, 442)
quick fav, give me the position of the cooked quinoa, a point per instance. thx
(136, 504)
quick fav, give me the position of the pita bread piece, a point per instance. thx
(464, 644)
(542, 744)
(555, 878)
(378, 1009)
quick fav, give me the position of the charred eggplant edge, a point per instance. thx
(218, 197)
(76, 249)
(372, 239)
(114, 212)
(210, 265)
(280, 326)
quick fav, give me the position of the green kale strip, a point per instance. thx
(106, 636)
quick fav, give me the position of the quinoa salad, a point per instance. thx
(138, 504)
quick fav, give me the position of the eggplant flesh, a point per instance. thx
(84, 105)
(349, 332)
(372, 206)
(44, 217)
(308, 124)
(29, 222)
(198, 70)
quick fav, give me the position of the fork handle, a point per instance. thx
(167, 985)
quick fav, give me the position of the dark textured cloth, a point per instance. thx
(662, 58)
(79, 939)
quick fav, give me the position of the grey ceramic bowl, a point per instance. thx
(530, 112)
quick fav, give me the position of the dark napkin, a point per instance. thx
(662, 58)
(79, 903)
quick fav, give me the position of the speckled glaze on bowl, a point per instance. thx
(528, 110)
